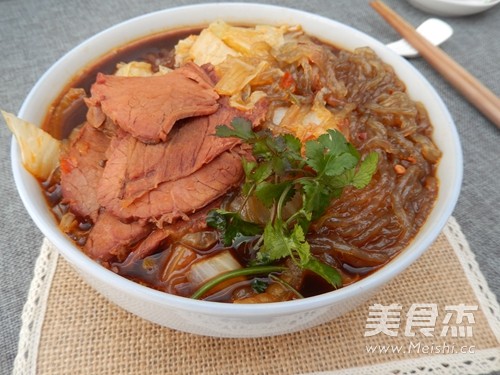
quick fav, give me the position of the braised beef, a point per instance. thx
(135, 168)
(146, 165)
(148, 107)
(111, 238)
(82, 165)
(176, 199)
(172, 232)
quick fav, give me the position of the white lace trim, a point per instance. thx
(479, 285)
(34, 311)
(482, 361)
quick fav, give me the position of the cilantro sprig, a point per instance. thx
(283, 167)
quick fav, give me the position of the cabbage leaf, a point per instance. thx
(310, 121)
(39, 150)
(203, 49)
(220, 40)
(256, 41)
(139, 69)
(238, 75)
(243, 58)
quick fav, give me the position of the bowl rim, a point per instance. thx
(85, 264)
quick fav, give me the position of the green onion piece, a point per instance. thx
(256, 270)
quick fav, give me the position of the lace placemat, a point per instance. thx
(445, 320)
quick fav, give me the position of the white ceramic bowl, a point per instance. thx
(453, 8)
(218, 319)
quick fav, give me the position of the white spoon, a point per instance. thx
(434, 30)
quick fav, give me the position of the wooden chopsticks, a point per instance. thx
(473, 90)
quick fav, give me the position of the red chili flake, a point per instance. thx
(362, 136)
(286, 81)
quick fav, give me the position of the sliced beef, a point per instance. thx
(95, 115)
(135, 168)
(149, 244)
(179, 198)
(172, 232)
(82, 165)
(148, 107)
(129, 168)
(110, 238)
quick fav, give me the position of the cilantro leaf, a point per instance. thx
(366, 170)
(334, 141)
(269, 193)
(288, 145)
(259, 285)
(330, 154)
(316, 197)
(262, 172)
(360, 178)
(342, 180)
(315, 154)
(301, 246)
(293, 144)
(279, 244)
(275, 175)
(217, 219)
(241, 128)
(276, 244)
(337, 165)
(290, 153)
(353, 151)
(248, 166)
(255, 174)
(231, 226)
(261, 148)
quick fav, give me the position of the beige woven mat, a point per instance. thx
(70, 329)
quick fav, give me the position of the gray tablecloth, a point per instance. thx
(35, 33)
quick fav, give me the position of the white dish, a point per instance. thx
(218, 319)
(453, 8)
